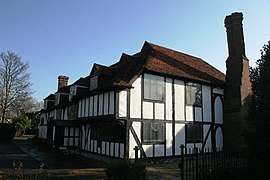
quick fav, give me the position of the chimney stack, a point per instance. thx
(238, 85)
(62, 81)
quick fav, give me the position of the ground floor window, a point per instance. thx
(153, 132)
(194, 133)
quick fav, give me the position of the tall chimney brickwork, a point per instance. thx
(62, 81)
(238, 85)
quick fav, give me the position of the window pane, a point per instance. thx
(194, 133)
(153, 87)
(153, 132)
(193, 94)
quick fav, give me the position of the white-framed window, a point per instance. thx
(193, 94)
(153, 132)
(153, 87)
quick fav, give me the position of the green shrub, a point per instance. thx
(21, 123)
(7, 132)
(126, 170)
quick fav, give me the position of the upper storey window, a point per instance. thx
(153, 87)
(93, 83)
(193, 94)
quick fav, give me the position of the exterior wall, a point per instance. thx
(97, 105)
(175, 114)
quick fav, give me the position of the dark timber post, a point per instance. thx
(136, 149)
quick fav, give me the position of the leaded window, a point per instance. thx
(193, 94)
(153, 132)
(194, 133)
(153, 87)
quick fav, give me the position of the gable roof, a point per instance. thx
(155, 58)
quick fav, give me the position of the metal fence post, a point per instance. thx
(197, 162)
(182, 147)
(136, 149)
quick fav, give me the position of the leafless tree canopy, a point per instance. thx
(14, 83)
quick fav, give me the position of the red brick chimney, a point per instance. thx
(238, 83)
(62, 81)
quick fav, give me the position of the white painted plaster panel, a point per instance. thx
(122, 150)
(147, 110)
(206, 102)
(169, 139)
(89, 141)
(168, 91)
(83, 108)
(42, 132)
(122, 104)
(218, 90)
(206, 128)
(135, 99)
(106, 103)
(189, 113)
(103, 147)
(132, 143)
(86, 113)
(107, 148)
(198, 114)
(218, 110)
(159, 150)
(100, 104)
(95, 104)
(112, 149)
(219, 139)
(116, 149)
(148, 149)
(111, 107)
(159, 111)
(179, 137)
(66, 114)
(179, 99)
(83, 138)
(91, 106)
(198, 145)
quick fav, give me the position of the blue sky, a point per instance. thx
(65, 37)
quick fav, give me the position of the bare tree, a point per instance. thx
(14, 82)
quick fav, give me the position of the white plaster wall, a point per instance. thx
(179, 137)
(79, 109)
(159, 150)
(83, 108)
(135, 99)
(218, 110)
(103, 145)
(111, 108)
(148, 150)
(168, 99)
(42, 131)
(179, 98)
(116, 149)
(206, 102)
(91, 101)
(108, 149)
(132, 143)
(122, 150)
(169, 139)
(95, 105)
(208, 140)
(106, 103)
(198, 114)
(86, 113)
(112, 149)
(159, 111)
(66, 114)
(122, 104)
(147, 110)
(189, 113)
(100, 104)
(219, 138)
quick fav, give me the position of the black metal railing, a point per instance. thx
(200, 164)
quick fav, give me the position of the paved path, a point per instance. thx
(67, 166)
